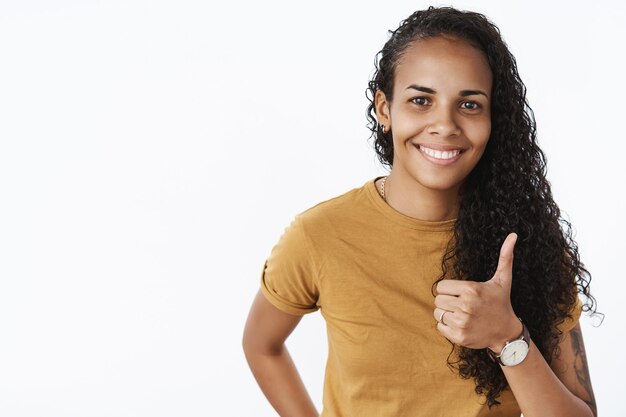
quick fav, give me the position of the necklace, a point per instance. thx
(382, 188)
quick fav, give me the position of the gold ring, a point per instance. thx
(441, 318)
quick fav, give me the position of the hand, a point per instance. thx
(479, 314)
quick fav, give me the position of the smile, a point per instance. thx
(440, 157)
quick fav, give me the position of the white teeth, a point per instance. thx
(439, 154)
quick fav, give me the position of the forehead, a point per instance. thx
(443, 63)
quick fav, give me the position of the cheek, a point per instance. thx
(407, 121)
(480, 134)
(408, 128)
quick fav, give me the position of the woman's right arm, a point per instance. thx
(264, 337)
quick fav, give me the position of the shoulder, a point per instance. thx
(342, 207)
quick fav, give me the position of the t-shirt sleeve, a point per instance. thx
(575, 312)
(289, 276)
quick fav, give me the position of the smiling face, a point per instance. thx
(440, 115)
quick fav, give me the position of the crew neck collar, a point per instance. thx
(402, 219)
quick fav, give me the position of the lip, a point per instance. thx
(442, 162)
(438, 147)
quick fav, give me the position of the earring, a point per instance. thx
(383, 128)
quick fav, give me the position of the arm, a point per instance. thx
(571, 367)
(562, 389)
(265, 332)
(465, 312)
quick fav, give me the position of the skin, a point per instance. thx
(417, 187)
(478, 314)
(470, 307)
(265, 333)
(477, 317)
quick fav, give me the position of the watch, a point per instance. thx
(514, 351)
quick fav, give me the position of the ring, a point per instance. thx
(441, 318)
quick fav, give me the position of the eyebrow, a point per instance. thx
(462, 93)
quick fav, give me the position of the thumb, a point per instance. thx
(504, 272)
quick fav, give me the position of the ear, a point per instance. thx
(381, 105)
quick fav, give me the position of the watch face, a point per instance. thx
(514, 353)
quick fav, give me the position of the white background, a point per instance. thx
(152, 152)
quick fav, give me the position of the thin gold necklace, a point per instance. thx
(382, 188)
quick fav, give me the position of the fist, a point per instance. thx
(479, 315)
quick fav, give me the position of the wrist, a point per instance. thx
(513, 330)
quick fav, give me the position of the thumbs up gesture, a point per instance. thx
(479, 314)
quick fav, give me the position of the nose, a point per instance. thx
(443, 122)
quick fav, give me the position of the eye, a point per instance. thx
(472, 105)
(420, 101)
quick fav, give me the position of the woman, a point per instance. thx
(449, 286)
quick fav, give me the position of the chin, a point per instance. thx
(442, 187)
(438, 184)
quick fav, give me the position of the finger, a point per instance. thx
(449, 318)
(505, 261)
(455, 287)
(504, 273)
(457, 305)
(446, 332)
(441, 315)
(448, 302)
(454, 319)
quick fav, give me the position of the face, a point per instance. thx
(440, 115)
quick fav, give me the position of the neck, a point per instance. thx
(412, 199)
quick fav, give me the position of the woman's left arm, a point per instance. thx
(467, 313)
(562, 388)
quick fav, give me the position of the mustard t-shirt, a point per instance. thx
(369, 269)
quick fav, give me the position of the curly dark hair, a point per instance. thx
(507, 191)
